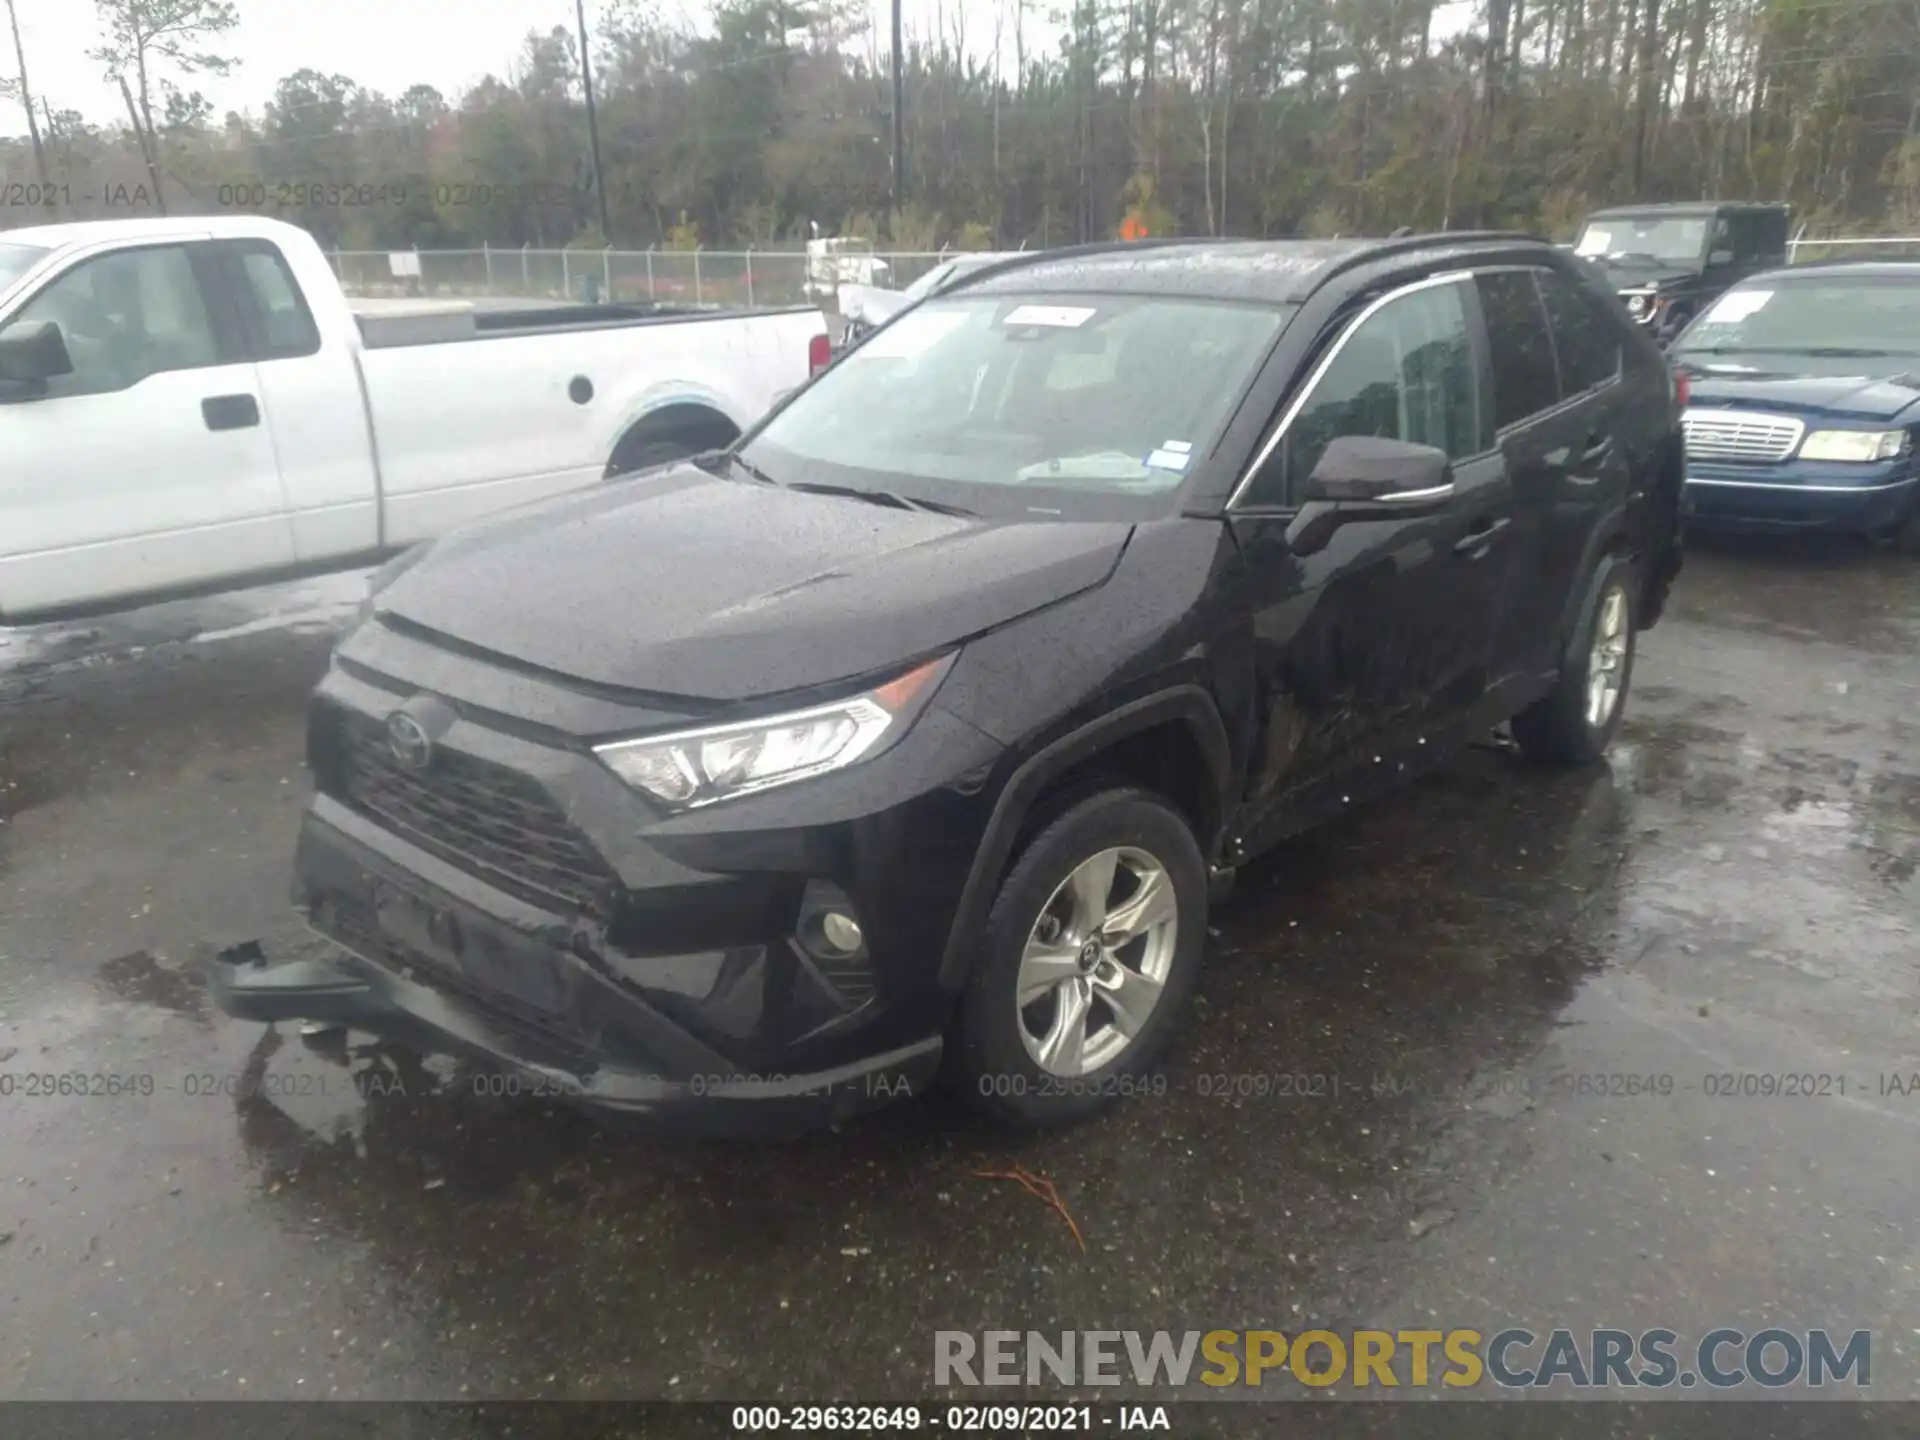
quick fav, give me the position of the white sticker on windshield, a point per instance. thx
(1737, 305)
(1168, 458)
(1060, 317)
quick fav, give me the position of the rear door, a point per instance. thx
(1556, 362)
(1379, 641)
(149, 467)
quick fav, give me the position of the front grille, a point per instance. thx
(490, 821)
(1740, 435)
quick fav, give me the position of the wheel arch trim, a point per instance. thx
(1189, 705)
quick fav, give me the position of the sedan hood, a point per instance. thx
(1812, 397)
(682, 584)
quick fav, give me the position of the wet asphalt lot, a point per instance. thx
(1735, 894)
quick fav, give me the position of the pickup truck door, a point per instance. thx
(150, 467)
(315, 404)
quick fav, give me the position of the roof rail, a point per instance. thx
(1404, 244)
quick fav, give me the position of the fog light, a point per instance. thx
(841, 931)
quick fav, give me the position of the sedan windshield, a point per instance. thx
(1861, 325)
(1663, 240)
(1075, 395)
(16, 260)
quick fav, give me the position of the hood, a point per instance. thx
(1840, 397)
(1631, 275)
(683, 584)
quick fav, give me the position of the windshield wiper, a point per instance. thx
(882, 497)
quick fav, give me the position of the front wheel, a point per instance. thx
(1093, 946)
(1574, 723)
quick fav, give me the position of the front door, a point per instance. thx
(1376, 646)
(149, 467)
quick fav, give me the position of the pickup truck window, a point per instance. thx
(1106, 394)
(1406, 372)
(284, 325)
(16, 260)
(125, 316)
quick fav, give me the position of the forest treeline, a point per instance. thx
(1030, 126)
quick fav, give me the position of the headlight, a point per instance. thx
(1638, 305)
(1856, 445)
(691, 768)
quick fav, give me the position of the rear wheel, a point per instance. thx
(1575, 722)
(1093, 946)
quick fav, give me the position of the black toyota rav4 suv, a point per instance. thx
(912, 733)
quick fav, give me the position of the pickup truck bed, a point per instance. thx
(226, 414)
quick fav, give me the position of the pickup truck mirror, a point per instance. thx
(31, 355)
(1363, 477)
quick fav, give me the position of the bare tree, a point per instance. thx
(25, 96)
(141, 35)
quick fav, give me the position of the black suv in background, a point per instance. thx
(910, 732)
(1668, 262)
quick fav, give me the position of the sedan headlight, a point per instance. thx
(690, 768)
(1856, 445)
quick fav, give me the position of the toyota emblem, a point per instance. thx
(412, 747)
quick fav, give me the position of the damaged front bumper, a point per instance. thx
(422, 964)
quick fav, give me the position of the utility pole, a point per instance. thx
(593, 124)
(26, 103)
(899, 115)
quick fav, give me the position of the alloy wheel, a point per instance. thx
(1096, 961)
(1607, 659)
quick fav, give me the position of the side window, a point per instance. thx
(1745, 233)
(1585, 337)
(1524, 379)
(286, 323)
(126, 316)
(1405, 373)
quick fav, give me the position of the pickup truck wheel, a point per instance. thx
(1093, 946)
(1574, 723)
(645, 457)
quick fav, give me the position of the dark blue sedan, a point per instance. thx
(1804, 403)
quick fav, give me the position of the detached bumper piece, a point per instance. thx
(443, 976)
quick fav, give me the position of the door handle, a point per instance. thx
(230, 412)
(1599, 450)
(1477, 541)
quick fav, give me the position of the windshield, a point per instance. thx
(16, 260)
(1624, 237)
(1040, 398)
(1840, 324)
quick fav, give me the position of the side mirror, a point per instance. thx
(1719, 257)
(31, 355)
(1362, 477)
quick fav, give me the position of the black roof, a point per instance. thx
(1270, 270)
(1687, 208)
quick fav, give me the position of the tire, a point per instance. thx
(998, 1046)
(1561, 728)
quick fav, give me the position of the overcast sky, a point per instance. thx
(386, 45)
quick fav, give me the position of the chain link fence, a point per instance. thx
(724, 279)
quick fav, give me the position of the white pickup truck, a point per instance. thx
(193, 404)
